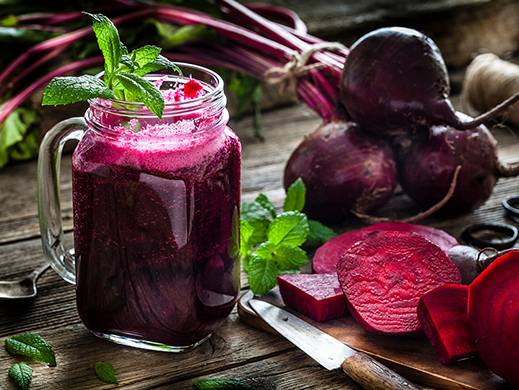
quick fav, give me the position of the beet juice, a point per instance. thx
(156, 216)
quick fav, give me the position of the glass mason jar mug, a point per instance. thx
(156, 215)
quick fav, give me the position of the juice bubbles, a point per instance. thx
(156, 218)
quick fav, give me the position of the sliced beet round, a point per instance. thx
(319, 296)
(328, 255)
(443, 315)
(493, 314)
(385, 274)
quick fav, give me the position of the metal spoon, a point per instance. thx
(23, 288)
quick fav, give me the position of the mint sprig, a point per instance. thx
(221, 383)
(270, 242)
(123, 73)
(31, 345)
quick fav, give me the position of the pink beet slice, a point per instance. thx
(327, 256)
(385, 274)
(443, 315)
(319, 296)
(493, 313)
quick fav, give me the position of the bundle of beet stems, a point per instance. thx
(359, 168)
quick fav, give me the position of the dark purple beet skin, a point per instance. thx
(394, 81)
(427, 168)
(344, 168)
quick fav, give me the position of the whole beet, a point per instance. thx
(344, 169)
(395, 82)
(427, 167)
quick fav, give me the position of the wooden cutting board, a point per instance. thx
(411, 357)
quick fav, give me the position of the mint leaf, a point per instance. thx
(159, 63)
(296, 194)
(31, 345)
(262, 274)
(145, 91)
(21, 374)
(288, 257)
(106, 372)
(318, 232)
(109, 43)
(289, 228)
(246, 232)
(253, 210)
(66, 90)
(144, 55)
(222, 383)
(266, 204)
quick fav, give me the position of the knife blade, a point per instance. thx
(328, 351)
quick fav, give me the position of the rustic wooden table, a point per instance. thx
(237, 350)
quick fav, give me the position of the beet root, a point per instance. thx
(385, 274)
(395, 80)
(328, 255)
(344, 169)
(493, 314)
(426, 169)
(443, 315)
(319, 296)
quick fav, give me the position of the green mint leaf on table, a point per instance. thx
(21, 373)
(31, 345)
(262, 274)
(222, 383)
(106, 372)
(288, 257)
(67, 90)
(290, 228)
(296, 196)
(319, 232)
(266, 204)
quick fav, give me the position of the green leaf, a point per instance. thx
(222, 383)
(31, 345)
(144, 55)
(18, 136)
(66, 90)
(109, 43)
(21, 374)
(253, 210)
(262, 274)
(159, 63)
(288, 257)
(266, 204)
(106, 372)
(289, 228)
(319, 232)
(246, 232)
(145, 91)
(296, 194)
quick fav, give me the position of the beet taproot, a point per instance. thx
(344, 169)
(328, 255)
(395, 82)
(493, 315)
(443, 315)
(385, 274)
(319, 296)
(427, 167)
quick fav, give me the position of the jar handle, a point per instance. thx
(60, 257)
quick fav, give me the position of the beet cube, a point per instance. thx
(443, 315)
(319, 296)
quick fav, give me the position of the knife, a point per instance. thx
(328, 351)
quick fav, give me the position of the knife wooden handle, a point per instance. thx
(372, 375)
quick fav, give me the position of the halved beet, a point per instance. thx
(493, 314)
(443, 315)
(385, 274)
(318, 296)
(328, 255)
